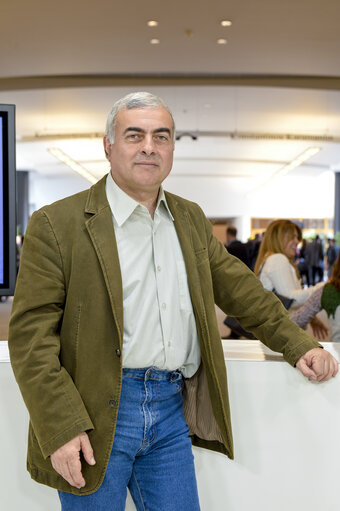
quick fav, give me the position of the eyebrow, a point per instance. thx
(140, 130)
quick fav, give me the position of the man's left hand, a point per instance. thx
(318, 365)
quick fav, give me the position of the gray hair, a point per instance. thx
(134, 100)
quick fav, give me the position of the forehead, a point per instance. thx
(145, 118)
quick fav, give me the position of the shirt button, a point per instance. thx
(169, 344)
(118, 352)
(113, 403)
(163, 305)
(159, 268)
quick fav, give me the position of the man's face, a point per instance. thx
(142, 153)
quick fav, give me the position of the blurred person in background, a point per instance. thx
(277, 272)
(314, 257)
(331, 256)
(326, 297)
(302, 265)
(254, 247)
(235, 247)
(243, 252)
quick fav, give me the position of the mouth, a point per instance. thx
(146, 163)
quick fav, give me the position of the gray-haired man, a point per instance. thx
(114, 340)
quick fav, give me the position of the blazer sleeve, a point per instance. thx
(239, 293)
(56, 410)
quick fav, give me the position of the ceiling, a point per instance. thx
(294, 37)
(255, 103)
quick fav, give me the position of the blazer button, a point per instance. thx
(113, 403)
(118, 352)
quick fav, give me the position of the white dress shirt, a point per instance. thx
(159, 323)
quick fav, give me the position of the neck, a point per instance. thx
(150, 203)
(147, 198)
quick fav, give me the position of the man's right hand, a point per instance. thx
(66, 459)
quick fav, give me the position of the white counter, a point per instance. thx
(286, 434)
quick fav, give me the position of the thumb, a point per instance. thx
(305, 369)
(87, 450)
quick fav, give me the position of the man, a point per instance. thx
(331, 256)
(113, 321)
(314, 258)
(236, 247)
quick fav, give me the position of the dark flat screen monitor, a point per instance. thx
(7, 200)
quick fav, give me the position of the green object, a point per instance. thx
(337, 238)
(330, 299)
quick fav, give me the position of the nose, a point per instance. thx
(148, 145)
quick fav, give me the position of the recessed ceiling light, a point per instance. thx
(221, 41)
(226, 23)
(154, 41)
(152, 23)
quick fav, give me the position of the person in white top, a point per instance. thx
(276, 269)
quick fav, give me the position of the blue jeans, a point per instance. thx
(151, 453)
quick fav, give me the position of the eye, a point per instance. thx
(134, 137)
(161, 138)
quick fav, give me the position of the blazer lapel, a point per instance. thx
(101, 231)
(184, 233)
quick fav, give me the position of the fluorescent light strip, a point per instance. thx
(283, 171)
(60, 155)
(311, 151)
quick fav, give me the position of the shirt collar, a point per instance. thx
(122, 205)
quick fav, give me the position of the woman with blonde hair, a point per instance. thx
(275, 262)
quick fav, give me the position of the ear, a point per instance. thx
(107, 148)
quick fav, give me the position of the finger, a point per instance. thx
(323, 333)
(305, 370)
(332, 370)
(66, 474)
(330, 365)
(326, 377)
(86, 447)
(74, 466)
(319, 366)
(62, 469)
